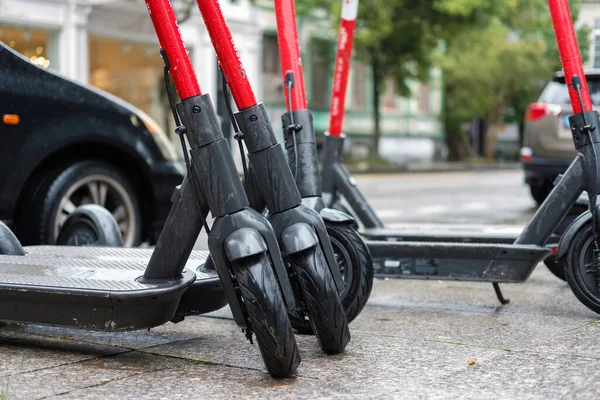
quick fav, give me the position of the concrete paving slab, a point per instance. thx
(22, 352)
(527, 376)
(63, 379)
(368, 370)
(582, 342)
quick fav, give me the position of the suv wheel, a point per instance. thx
(539, 191)
(57, 193)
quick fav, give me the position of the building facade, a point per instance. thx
(111, 44)
(590, 15)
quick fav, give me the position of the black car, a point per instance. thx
(66, 144)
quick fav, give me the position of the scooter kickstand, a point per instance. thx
(499, 294)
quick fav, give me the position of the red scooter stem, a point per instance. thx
(227, 54)
(171, 42)
(569, 53)
(289, 51)
(343, 60)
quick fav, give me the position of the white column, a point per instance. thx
(248, 49)
(73, 42)
(205, 62)
(203, 56)
(83, 54)
(65, 39)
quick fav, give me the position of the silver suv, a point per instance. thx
(547, 144)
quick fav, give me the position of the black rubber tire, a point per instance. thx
(35, 219)
(320, 300)
(350, 250)
(90, 225)
(539, 192)
(9, 244)
(267, 315)
(583, 284)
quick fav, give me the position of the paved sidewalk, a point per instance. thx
(415, 339)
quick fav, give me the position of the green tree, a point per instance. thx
(483, 69)
(497, 55)
(493, 71)
(398, 38)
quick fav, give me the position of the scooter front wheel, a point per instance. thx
(557, 266)
(267, 315)
(354, 261)
(320, 299)
(581, 269)
(90, 225)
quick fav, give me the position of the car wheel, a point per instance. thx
(58, 192)
(539, 191)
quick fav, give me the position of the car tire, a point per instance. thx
(58, 192)
(539, 191)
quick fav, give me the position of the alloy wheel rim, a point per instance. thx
(103, 191)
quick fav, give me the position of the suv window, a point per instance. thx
(556, 91)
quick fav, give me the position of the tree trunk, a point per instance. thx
(491, 131)
(458, 149)
(374, 150)
(491, 137)
(456, 140)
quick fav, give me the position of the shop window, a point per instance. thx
(271, 70)
(389, 94)
(131, 71)
(321, 72)
(271, 64)
(424, 99)
(596, 51)
(33, 44)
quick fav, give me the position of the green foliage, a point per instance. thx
(484, 67)
(494, 70)
(497, 57)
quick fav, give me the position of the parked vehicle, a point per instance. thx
(65, 144)
(547, 142)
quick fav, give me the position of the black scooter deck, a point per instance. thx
(203, 296)
(83, 293)
(455, 261)
(445, 233)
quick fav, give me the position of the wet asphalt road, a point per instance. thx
(484, 197)
(415, 339)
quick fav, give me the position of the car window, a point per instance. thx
(557, 93)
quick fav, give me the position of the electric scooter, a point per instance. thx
(297, 228)
(339, 183)
(351, 253)
(119, 294)
(475, 257)
(301, 233)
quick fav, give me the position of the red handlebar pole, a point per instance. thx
(227, 54)
(569, 53)
(289, 51)
(343, 60)
(171, 42)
